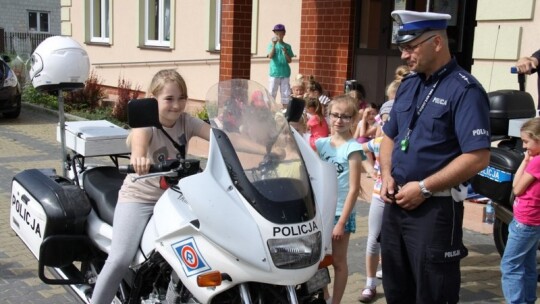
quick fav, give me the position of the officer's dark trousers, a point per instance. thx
(421, 252)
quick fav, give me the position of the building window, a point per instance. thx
(100, 20)
(38, 22)
(157, 23)
(214, 43)
(217, 36)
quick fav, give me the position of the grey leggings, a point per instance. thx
(130, 220)
(376, 209)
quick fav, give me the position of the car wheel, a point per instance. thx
(14, 114)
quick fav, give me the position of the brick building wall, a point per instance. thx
(326, 44)
(235, 57)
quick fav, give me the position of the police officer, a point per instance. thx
(436, 139)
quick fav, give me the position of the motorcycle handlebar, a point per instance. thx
(156, 168)
(514, 70)
(521, 77)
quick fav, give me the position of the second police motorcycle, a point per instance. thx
(249, 228)
(509, 109)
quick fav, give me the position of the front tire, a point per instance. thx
(500, 235)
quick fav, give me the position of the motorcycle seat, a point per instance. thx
(102, 185)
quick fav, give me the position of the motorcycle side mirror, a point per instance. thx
(143, 113)
(295, 109)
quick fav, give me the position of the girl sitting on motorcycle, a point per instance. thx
(136, 200)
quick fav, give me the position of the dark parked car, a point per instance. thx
(10, 90)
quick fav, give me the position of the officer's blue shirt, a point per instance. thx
(455, 120)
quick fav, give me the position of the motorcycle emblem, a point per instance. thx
(190, 257)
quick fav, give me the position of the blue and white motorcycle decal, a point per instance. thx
(190, 257)
(495, 174)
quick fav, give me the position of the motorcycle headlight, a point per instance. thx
(294, 253)
(11, 80)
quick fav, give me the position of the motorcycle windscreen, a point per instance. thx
(260, 151)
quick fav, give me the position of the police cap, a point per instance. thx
(412, 24)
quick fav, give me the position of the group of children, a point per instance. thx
(316, 121)
(313, 124)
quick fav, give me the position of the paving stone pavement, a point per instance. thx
(30, 142)
(480, 270)
(26, 142)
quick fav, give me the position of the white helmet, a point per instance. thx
(59, 62)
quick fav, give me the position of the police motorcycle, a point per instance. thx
(249, 228)
(509, 109)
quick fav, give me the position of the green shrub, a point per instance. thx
(34, 96)
(206, 112)
(99, 114)
(202, 114)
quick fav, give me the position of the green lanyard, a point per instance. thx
(404, 143)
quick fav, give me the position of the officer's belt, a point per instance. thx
(443, 193)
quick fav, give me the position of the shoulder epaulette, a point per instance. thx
(409, 76)
(465, 79)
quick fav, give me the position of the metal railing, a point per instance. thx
(21, 43)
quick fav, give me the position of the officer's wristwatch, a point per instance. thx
(425, 192)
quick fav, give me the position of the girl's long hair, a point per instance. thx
(532, 128)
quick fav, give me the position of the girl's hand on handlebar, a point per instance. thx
(141, 165)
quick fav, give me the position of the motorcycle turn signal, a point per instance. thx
(210, 279)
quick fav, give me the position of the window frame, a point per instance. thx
(38, 23)
(160, 42)
(217, 26)
(214, 26)
(105, 23)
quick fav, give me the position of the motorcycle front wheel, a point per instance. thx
(500, 235)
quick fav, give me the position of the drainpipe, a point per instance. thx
(2, 40)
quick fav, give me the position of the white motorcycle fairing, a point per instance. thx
(207, 225)
(323, 178)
